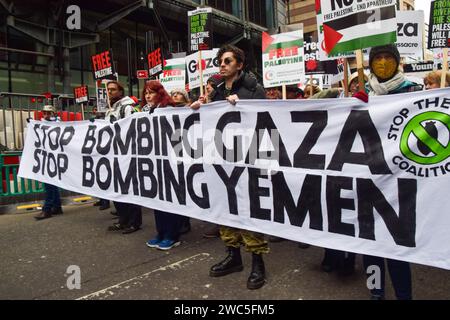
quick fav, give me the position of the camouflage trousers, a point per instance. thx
(254, 242)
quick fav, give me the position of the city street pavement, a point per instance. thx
(36, 254)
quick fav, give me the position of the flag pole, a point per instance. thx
(360, 66)
(346, 84)
(444, 67)
(200, 69)
(82, 111)
(107, 94)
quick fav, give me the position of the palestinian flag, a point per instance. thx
(173, 75)
(355, 29)
(280, 41)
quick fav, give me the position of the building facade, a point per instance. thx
(38, 52)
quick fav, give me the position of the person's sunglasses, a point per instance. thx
(227, 61)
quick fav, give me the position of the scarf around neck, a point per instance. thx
(383, 88)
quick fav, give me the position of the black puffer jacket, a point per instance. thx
(245, 87)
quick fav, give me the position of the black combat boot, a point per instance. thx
(257, 277)
(232, 263)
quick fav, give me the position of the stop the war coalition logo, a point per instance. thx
(423, 134)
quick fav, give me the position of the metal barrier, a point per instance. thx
(11, 184)
(17, 107)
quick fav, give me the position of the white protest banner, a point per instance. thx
(410, 34)
(337, 173)
(438, 58)
(350, 25)
(174, 74)
(210, 66)
(283, 58)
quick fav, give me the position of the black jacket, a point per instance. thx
(245, 87)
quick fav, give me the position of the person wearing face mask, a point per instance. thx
(52, 204)
(385, 76)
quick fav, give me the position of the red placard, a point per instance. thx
(155, 64)
(81, 94)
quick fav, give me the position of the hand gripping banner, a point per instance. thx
(336, 173)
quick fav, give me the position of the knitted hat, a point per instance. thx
(180, 91)
(389, 48)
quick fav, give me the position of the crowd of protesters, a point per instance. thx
(232, 84)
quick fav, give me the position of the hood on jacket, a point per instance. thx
(123, 102)
(247, 80)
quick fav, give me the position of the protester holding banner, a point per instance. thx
(385, 77)
(315, 90)
(155, 96)
(121, 106)
(211, 85)
(432, 80)
(353, 83)
(168, 225)
(102, 204)
(238, 84)
(52, 204)
(294, 92)
(273, 93)
(180, 97)
(130, 215)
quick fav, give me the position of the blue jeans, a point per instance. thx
(168, 225)
(52, 199)
(400, 273)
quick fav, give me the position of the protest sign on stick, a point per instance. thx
(200, 35)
